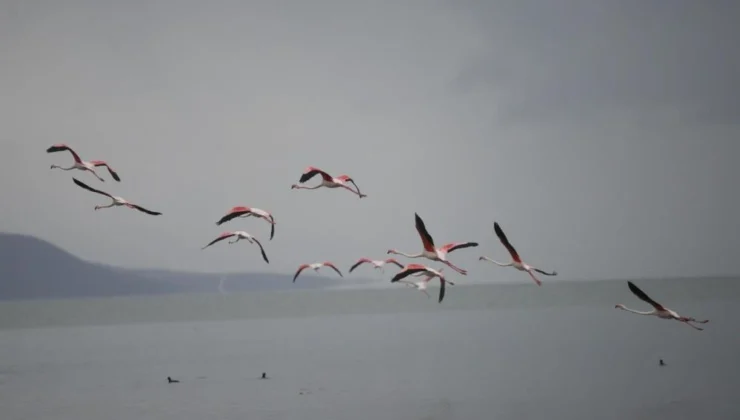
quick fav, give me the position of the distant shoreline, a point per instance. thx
(308, 303)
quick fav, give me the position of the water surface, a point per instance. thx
(487, 352)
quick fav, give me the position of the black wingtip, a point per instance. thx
(305, 177)
(497, 229)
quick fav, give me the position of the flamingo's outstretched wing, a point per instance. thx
(111, 171)
(459, 245)
(394, 261)
(358, 263)
(441, 289)
(62, 147)
(505, 242)
(267, 216)
(272, 227)
(220, 237)
(301, 268)
(356, 187)
(142, 209)
(310, 172)
(347, 178)
(543, 272)
(426, 238)
(643, 296)
(407, 271)
(233, 213)
(89, 188)
(262, 250)
(332, 266)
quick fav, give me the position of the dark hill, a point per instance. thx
(31, 268)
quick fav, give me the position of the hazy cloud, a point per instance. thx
(574, 58)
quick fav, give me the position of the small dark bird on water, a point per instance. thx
(662, 363)
(172, 381)
(264, 375)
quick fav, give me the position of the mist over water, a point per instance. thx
(501, 351)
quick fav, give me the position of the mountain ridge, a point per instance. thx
(34, 268)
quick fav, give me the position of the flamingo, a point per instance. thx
(240, 234)
(242, 211)
(659, 310)
(117, 201)
(315, 267)
(433, 253)
(81, 164)
(427, 273)
(377, 264)
(516, 260)
(327, 181)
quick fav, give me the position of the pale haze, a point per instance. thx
(602, 135)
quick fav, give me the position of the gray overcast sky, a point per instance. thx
(602, 135)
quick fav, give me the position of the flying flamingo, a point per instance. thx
(433, 253)
(242, 211)
(315, 267)
(377, 264)
(516, 260)
(659, 310)
(327, 181)
(81, 164)
(117, 201)
(427, 273)
(240, 234)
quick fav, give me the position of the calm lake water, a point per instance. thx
(487, 352)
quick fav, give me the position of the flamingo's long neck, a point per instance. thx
(498, 263)
(419, 255)
(64, 169)
(634, 311)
